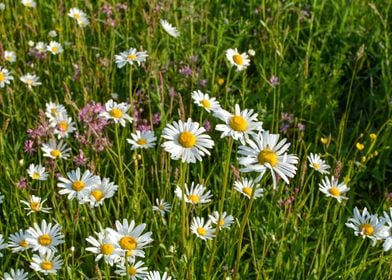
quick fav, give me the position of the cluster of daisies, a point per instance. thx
(122, 247)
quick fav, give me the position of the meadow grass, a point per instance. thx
(320, 76)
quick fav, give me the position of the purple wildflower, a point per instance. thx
(22, 183)
(186, 71)
(29, 147)
(274, 81)
(80, 159)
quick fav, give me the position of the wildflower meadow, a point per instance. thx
(195, 139)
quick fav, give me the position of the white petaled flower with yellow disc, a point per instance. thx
(134, 270)
(318, 164)
(63, 126)
(31, 80)
(241, 61)
(45, 238)
(9, 56)
(46, 263)
(265, 152)
(332, 188)
(130, 239)
(99, 192)
(130, 57)
(202, 229)
(116, 112)
(195, 195)
(105, 247)
(37, 172)
(170, 29)
(239, 125)
(18, 274)
(247, 187)
(35, 204)
(222, 221)
(78, 185)
(366, 225)
(17, 242)
(5, 77)
(55, 150)
(54, 111)
(205, 101)
(55, 48)
(186, 141)
(142, 140)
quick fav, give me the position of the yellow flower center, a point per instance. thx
(78, 185)
(334, 191)
(238, 123)
(46, 265)
(55, 153)
(128, 243)
(367, 229)
(2, 77)
(202, 231)
(132, 271)
(35, 206)
(221, 81)
(187, 139)
(267, 156)
(107, 249)
(8, 58)
(205, 103)
(221, 222)
(132, 56)
(194, 198)
(316, 166)
(373, 136)
(238, 59)
(97, 194)
(247, 190)
(36, 176)
(55, 49)
(116, 113)
(23, 243)
(360, 146)
(324, 140)
(77, 16)
(62, 126)
(45, 239)
(141, 142)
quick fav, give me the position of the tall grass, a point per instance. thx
(332, 61)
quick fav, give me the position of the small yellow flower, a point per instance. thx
(360, 146)
(373, 136)
(375, 153)
(221, 81)
(363, 159)
(324, 140)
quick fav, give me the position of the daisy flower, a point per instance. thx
(17, 242)
(161, 206)
(63, 126)
(318, 164)
(46, 263)
(78, 185)
(172, 31)
(79, 15)
(10, 56)
(29, 3)
(18, 274)
(98, 193)
(5, 77)
(367, 225)
(37, 172)
(130, 238)
(196, 195)
(265, 152)
(202, 230)
(241, 61)
(35, 205)
(204, 100)
(104, 247)
(224, 221)
(44, 238)
(41, 47)
(54, 111)
(133, 270)
(333, 188)
(116, 112)
(155, 275)
(55, 48)
(131, 56)
(55, 150)
(387, 218)
(142, 140)
(246, 186)
(2, 244)
(186, 141)
(239, 125)
(31, 80)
